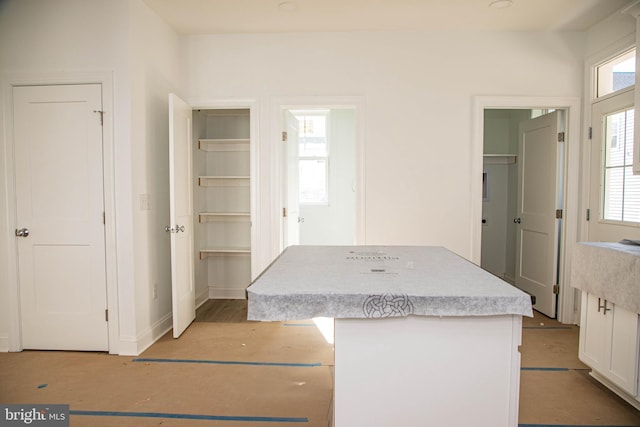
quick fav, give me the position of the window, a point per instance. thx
(621, 195)
(617, 73)
(313, 156)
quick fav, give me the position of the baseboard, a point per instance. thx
(227, 293)
(202, 298)
(4, 344)
(134, 347)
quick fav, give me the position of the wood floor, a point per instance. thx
(222, 311)
(226, 371)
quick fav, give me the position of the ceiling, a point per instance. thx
(256, 16)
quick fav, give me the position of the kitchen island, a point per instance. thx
(422, 336)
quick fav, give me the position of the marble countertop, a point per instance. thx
(379, 281)
(608, 270)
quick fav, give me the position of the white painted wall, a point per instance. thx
(418, 89)
(154, 53)
(334, 224)
(43, 38)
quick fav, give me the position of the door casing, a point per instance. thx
(10, 277)
(566, 304)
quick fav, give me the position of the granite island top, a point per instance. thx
(377, 282)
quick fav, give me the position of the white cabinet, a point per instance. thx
(222, 164)
(609, 344)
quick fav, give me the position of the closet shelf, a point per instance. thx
(223, 181)
(228, 251)
(224, 217)
(240, 144)
(499, 159)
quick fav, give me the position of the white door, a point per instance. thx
(291, 225)
(181, 215)
(60, 217)
(539, 196)
(614, 192)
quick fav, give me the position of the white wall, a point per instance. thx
(418, 89)
(123, 39)
(334, 224)
(39, 38)
(154, 53)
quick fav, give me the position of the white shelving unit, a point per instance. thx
(223, 201)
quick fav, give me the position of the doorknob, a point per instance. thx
(23, 232)
(516, 220)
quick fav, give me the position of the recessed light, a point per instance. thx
(500, 4)
(288, 6)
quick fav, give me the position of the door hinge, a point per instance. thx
(558, 213)
(590, 132)
(101, 116)
(560, 136)
(588, 214)
(556, 289)
(106, 315)
(284, 212)
(285, 136)
(104, 218)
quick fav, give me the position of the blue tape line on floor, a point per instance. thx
(298, 324)
(544, 369)
(190, 416)
(229, 362)
(566, 425)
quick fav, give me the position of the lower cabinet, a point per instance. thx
(609, 344)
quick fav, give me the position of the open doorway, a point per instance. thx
(484, 185)
(523, 174)
(319, 175)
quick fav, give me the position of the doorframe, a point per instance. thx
(331, 102)
(566, 307)
(7, 145)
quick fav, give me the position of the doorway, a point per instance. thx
(320, 174)
(522, 200)
(501, 176)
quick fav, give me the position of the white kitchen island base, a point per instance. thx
(423, 337)
(427, 371)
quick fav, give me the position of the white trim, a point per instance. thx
(566, 313)
(105, 79)
(274, 147)
(134, 347)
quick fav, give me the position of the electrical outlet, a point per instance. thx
(155, 291)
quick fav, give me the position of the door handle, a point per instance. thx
(603, 307)
(516, 220)
(176, 229)
(23, 232)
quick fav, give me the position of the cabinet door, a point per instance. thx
(592, 333)
(622, 348)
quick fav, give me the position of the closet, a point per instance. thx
(222, 202)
